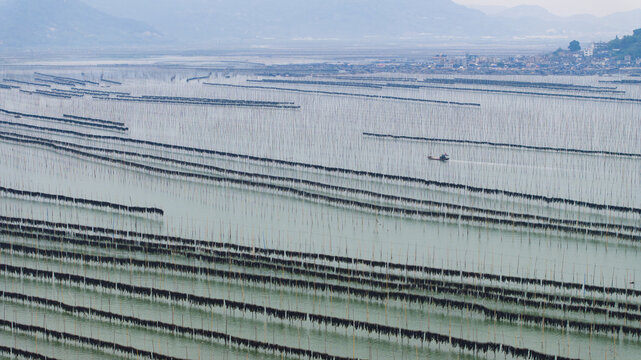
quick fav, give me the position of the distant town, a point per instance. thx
(620, 56)
(597, 58)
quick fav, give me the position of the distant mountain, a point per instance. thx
(489, 9)
(246, 23)
(533, 20)
(356, 21)
(67, 23)
(362, 21)
(527, 11)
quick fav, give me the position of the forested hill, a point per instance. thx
(627, 45)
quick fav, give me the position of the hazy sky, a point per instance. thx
(566, 7)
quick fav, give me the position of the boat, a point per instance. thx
(443, 157)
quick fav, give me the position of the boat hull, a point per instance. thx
(437, 159)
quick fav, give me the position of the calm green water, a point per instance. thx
(328, 130)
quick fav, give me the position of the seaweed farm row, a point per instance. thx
(419, 86)
(625, 81)
(498, 294)
(249, 181)
(70, 94)
(388, 177)
(216, 227)
(367, 293)
(200, 101)
(11, 351)
(508, 145)
(64, 79)
(63, 336)
(345, 94)
(83, 121)
(78, 201)
(341, 189)
(47, 93)
(423, 336)
(542, 85)
(75, 92)
(110, 81)
(93, 120)
(200, 301)
(319, 271)
(323, 82)
(493, 82)
(502, 218)
(26, 82)
(164, 243)
(198, 78)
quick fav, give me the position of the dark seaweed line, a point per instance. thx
(332, 200)
(500, 144)
(15, 352)
(213, 101)
(163, 326)
(50, 94)
(322, 286)
(528, 84)
(567, 96)
(68, 199)
(59, 78)
(425, 336)
(77, 92)
(56, 82)
(82, 92)
(26, 82)
(98, 92)
(480, 292)
(208, 100)
(67, 121)
(627, 82)
(375, 175)
(570, 96)
(328, 83)
(325, 272)
(346, 94)
(73, 119)
(248, 260)
(198, 78)
(69, 79)
(374, 78)
(525, 84)
(93, 120)
(336, 259)
(341, 189)
(95, 343)
(274, 312)
(59, 92)
(418, 86)
(110, 81)
(132, 99)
